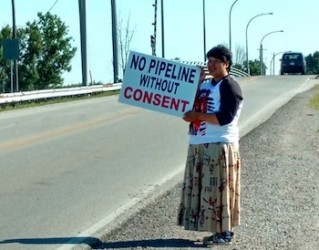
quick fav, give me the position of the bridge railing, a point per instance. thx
(234, 72)
(11, 98)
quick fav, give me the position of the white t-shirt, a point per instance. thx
(223, 98)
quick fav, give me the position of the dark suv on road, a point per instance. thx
(293, 63)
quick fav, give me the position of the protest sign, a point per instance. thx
(159, 84)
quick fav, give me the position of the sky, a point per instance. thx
(183, 28)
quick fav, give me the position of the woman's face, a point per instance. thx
(216, 67)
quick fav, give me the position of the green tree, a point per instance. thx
(30, 50)
(49, 49)
(312, 62)
(255, 67)
(45, 53)
(5, 33)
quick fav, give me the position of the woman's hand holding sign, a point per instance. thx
(190, 116)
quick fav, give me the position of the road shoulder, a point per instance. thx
(280, 186)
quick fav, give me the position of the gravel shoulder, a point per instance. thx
(280, 192)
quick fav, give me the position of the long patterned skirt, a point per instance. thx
(210, 197)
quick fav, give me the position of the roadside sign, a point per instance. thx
(11, 49)
(159, 84)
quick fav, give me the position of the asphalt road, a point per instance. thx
(67, 170)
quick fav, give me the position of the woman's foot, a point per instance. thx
(210, 239)
(224, 238)
(219, 238)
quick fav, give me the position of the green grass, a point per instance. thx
(314, 101)
(30, 104)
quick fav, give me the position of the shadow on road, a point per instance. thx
(95, 243)
(160, 243)
(90, 241)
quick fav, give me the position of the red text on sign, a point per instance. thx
(155, 99)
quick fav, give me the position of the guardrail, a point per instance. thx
(7, 98)
(10, 98)
(234, 72)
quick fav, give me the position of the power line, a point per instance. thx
(56, 1)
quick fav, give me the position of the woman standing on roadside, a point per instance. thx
(210, 197)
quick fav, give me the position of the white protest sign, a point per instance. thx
(158, 84)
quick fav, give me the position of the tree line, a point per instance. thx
(45, 54)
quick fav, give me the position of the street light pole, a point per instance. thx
(231, 8)
(247, 58)
(261, 49)
(273, 61)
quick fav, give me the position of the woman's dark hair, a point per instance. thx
(222, 53)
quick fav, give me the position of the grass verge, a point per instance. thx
(314, 101)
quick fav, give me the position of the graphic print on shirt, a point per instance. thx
(204, 103)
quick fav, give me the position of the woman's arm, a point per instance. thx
(192, 116)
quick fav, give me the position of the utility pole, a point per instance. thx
(162, 19)
(204, 30)
(82, 14)
(115, 42)
(261, 58)
(153, 37)
(15, 79)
